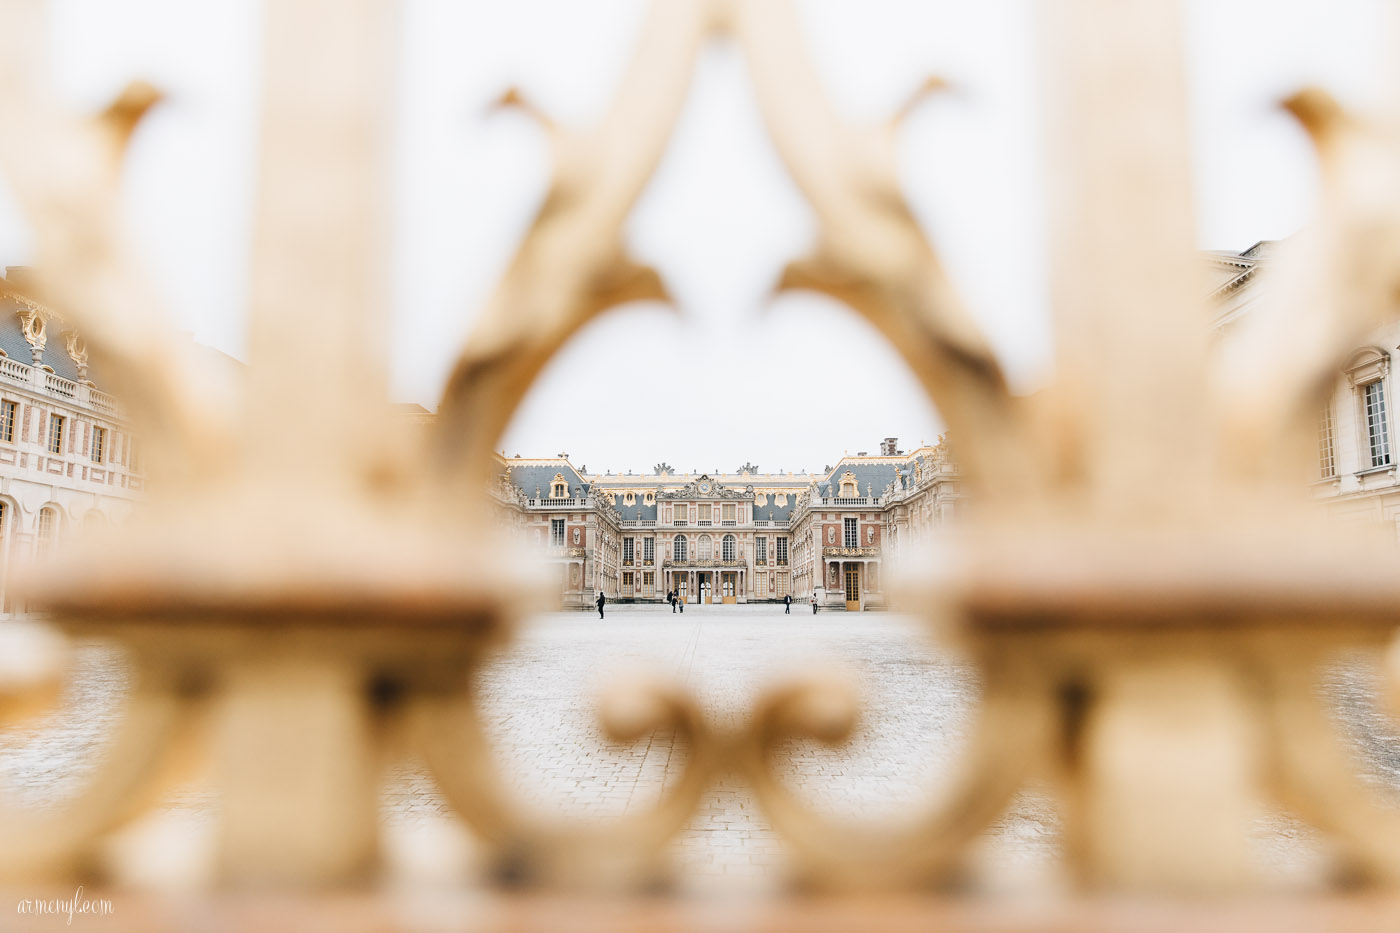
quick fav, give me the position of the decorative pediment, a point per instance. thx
(705, 488)
(1367, 365)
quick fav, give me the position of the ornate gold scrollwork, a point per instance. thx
(1121, 588)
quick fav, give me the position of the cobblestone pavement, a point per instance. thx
(539, 709)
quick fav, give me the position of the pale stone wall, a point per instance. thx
(80, 486)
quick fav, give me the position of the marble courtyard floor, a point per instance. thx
(539, 708)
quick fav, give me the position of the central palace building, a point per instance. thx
(734, 537)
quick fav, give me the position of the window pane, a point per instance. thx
(1376, 431)
(1326, 451)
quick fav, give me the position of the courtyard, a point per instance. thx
(538, 699)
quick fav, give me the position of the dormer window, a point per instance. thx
(558, 488)
(848, 486)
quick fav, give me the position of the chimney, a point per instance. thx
(888, 447)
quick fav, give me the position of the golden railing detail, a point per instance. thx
(1147, 600)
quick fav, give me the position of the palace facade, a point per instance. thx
(66, 457)
(738, 537)
(1355, 469)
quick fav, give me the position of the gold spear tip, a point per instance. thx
(1317, 111)
(123, 114)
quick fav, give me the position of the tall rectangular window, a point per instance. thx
(9, 412)
(99, 444)
(781, 548)
(1376, 432)
(56, 434)
(760, 550)
(649, 550)
(556, 532)
(728, 514)
(682, 514)
(627, 552)
(48, 521)
(703, 512)
(850, 536)
(1326, 450)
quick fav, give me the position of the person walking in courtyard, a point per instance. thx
(814, 604)
(787, 604)
(671, 598)
(600, 603)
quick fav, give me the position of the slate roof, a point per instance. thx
(774, 512)
(55, 354)
(527, 474)
(875, 474)
(635, 511)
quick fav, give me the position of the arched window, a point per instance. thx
(48, 528)
(706, 548)
(678, 547)
(727, 547)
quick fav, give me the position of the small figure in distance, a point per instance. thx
(600, 603)
(814, 604)
(787, 604)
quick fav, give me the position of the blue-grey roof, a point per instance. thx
(55, 352)
(637, 510)
(774, 512)
(871, 478)
(530, 474)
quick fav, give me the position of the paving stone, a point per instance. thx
(539, 710)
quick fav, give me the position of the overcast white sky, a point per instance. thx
(732, 378)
